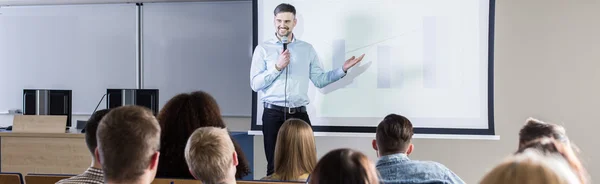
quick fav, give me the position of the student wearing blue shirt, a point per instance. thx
(281, 76)
(393, 145)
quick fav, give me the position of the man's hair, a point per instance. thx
(344, 166)
(284, 7)
(91, 127)
(295, 150)
(128, 137)
(178, 119)
(209, 154)
(535, 129)
(394, 134)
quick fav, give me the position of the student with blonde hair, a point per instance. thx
(532, 167)
(552, 147)
(211, 156)
(295, 152)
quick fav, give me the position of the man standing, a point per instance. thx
(281, 76)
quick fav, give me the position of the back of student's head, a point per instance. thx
(535, 129)
(344, 166)
(552, 147)
(394, 134)
(128, 143)
(91, 127)
(178, 119)
(210, 155)
(532, 167)
(295, 150)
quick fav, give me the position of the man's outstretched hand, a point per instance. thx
(351, 62)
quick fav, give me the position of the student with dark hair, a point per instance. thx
(393, 145)
(178, 119)
(94, 174)
(535, 129)
(344, 166)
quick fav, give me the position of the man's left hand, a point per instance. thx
(351, 62)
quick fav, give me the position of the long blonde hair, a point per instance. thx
(532, 167)
(295, 150)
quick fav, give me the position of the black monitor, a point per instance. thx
(142, 97)
(47, 102)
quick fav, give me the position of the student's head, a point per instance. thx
(285, 19)
(128, 144)
(394, 134)
(552, 147)
(210, 155)
(532, 167)
(344, 166)
(178, 119)
(91, 127)
(535, 129)
(295, 150)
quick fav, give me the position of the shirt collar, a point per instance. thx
(398, 157)
(94, 171)
(275, 39)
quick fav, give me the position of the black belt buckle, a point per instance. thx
(291, 110)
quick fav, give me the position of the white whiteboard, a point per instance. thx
(84, 48)
(199, 46)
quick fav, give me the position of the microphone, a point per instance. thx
(284, 40)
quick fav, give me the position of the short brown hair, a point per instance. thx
(535, 129)
(209, 154)
(394, 134)
(178, 119)
(344, 166)
(128, 137)
(91, 127)
(295, 150)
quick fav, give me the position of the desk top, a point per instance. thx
(71, 134)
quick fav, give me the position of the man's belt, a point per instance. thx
(285, 109)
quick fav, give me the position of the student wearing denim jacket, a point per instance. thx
(393, 145)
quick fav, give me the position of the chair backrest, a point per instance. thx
(174, 181)
(188, 181)
(11, 178)
(45, 178)
(265, 182)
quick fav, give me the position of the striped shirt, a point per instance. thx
(90, 176)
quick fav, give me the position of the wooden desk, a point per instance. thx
(55, 153)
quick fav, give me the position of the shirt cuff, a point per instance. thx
(340, 73)
(273, 70)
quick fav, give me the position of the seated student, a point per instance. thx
(182, 115)
(128, 143)
(535, 129)
(344, 166)
(532, 167)
(393, 145)
(211, 157)
(93, 175)
(549, 146)
(295, 152)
